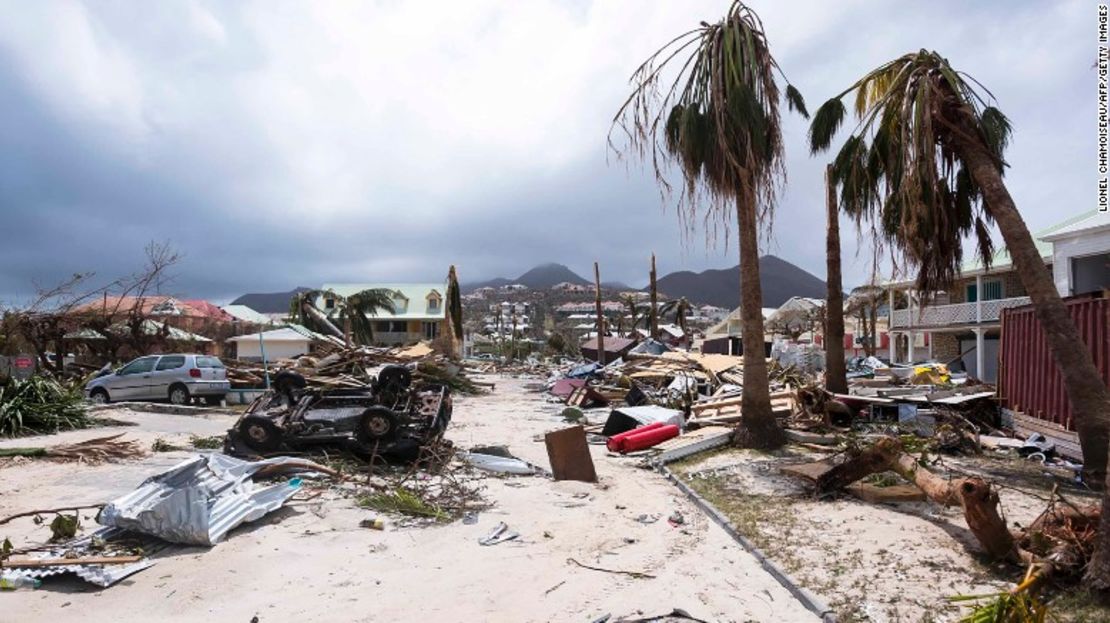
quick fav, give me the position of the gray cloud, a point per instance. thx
(284, 144)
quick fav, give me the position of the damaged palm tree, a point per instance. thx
(355, 312)
(1059, 543)
(718, 123)
(924, 167)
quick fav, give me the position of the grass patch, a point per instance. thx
(404, 502)
(215, 442)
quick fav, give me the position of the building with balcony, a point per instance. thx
(417, 314)
(961, 326)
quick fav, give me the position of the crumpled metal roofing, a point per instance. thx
(200, 500)
(197, 502)
(100, 575)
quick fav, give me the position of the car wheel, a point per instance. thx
(99, 397)
(179, 395)
(377, 424)
(260, 434)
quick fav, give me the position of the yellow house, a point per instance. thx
(418, 310)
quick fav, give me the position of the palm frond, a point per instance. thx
(826, 121)
(919, 115)
(716, 121)
(795, 101)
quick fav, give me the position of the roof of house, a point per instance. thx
(736, 315)
(1001, 262)
(149, 327)
(247, 314)
(1084, 223)
(290, 333)
(610, 343)
(410, 299)
(158, 305)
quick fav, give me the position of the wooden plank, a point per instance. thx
(63, 562)
(809, 471)
(569, 455)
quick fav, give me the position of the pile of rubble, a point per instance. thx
(355, 367)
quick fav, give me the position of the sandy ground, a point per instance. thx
(311, 561)
(870, 562)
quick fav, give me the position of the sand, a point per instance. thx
(311, 561)
(884, 563)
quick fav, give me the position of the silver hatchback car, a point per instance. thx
(175, 377)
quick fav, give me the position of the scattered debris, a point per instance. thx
(110, 448)
(201, 499)
(569, 454)
(639, 575)
(499, 534)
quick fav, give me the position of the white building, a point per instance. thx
(1081, 255)
(285, 343)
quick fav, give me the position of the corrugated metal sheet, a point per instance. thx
(100, 575)
(1028, 380)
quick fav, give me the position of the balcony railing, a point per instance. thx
(958, 314)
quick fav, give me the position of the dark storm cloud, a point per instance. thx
(274, 145)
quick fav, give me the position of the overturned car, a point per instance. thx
(391, 417)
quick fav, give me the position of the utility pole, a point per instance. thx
(600, 317)
(654, 303)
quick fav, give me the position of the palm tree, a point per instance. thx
(925, 167)
(633, 312)
(718, 124)
(836, 371)
(455, 311)
(355, 312)
(863, 303)
(680, 309)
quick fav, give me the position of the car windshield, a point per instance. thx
(209, 362)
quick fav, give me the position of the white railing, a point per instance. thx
(960, 313)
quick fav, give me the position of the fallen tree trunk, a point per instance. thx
(978, 500)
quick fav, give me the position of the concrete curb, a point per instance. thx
(812, 602)
(154, 407)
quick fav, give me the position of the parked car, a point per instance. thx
(176, 377)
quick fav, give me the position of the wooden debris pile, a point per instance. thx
(355, 367)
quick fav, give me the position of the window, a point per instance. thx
(431, 330)
(170, 362)
(139, 366)
(329, 303)
(209, 362)
(992, 291)
(433, 304)
(390, 326)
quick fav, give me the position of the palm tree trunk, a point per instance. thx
(873, 336)
(654, 303)
(1090, 401)
(758, 426)
(836, 379)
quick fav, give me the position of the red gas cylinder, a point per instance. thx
(648, 438)
(616, 441)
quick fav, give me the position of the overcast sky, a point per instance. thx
(279, 144)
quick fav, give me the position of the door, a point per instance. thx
(170, 368)
(132, 382)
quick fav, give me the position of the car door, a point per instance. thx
(168, 370)
(132, 382)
